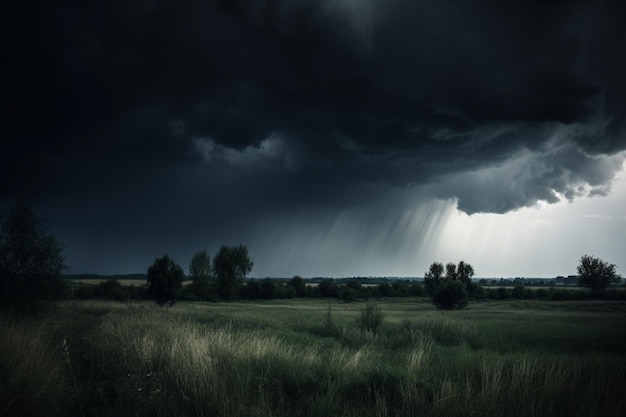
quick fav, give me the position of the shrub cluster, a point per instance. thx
(520, 292)
(254, 289)
(351, 290)
(450, 295)
(267, 289)
(111, 289)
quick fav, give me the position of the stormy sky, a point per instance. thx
(332, 137)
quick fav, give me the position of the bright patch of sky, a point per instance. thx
(542, 241)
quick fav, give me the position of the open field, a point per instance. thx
(96, 281)
(313, 358)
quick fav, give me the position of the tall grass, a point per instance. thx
(370, 319)
(530, 387)
(284, 359)
(33, 375)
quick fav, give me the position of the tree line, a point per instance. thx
(221, 278)
(31, 264)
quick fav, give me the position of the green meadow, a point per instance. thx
(304, 357)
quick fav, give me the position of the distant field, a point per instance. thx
(96, 281)
(556, 287)
(136, 282)
(316, 358)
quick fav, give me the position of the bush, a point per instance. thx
(285, 291)
(503, 293)
(299, 286)
(348, 294)
(400, 289)
(251, 291)
(268, 287)
(518, 292)
(417, 289)
(111, 289)
(370, 319)
(450, 295)
(384, 289)
(475, 291)
(187, 293)
(328, 288)
(200, 289)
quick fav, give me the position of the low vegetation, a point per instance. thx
(120, 290)
(450, 295)
(296, 357)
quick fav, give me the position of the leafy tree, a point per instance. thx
(201, 272)
(384, 289)
(165, 278)
(595, 273)
(231, 265)
(31, 261)
(268, 288)
(451, 271)
(200, 266)
(450, 295)
(464, 273)
(433, 276)
(298, 285)
(328, 288)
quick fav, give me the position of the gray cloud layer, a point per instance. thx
(496, 104)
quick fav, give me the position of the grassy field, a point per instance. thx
(96, 281)
(315, 358)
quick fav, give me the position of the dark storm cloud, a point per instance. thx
(498, 104)
(559, 169)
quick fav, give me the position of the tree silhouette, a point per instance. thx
(165, 278)
(464, 273)
(31, 261)
(433, 276)
(231, 265)
(201, 272)
(595, 273)
(451, 271)
(299, 286)
(200, 266)
(328, 288)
